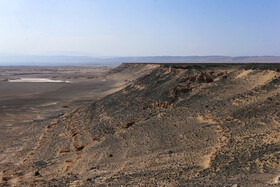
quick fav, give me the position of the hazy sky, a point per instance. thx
(140, 27)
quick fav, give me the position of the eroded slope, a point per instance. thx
(179, 124)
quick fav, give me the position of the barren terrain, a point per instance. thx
(141, 124)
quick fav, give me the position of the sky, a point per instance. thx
(140, 27)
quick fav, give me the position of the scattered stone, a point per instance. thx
(37, 173)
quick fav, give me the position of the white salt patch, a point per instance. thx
(35, 80)
(49, 104)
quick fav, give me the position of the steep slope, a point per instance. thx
(207, 124)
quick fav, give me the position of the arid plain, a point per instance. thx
(140, 124)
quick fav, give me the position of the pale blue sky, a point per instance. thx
(140, 27)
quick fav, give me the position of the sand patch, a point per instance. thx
(205, 119)
(244, 73)
(206, 161)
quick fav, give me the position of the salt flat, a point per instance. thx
(36, 80)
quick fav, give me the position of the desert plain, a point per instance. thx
(144, 124)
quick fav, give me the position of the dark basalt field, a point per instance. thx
(157, 124)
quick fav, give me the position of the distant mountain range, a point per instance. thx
(6, 60)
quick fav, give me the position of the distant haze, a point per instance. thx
(84, 60)
(140, 27)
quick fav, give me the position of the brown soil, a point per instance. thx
(154, 124)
